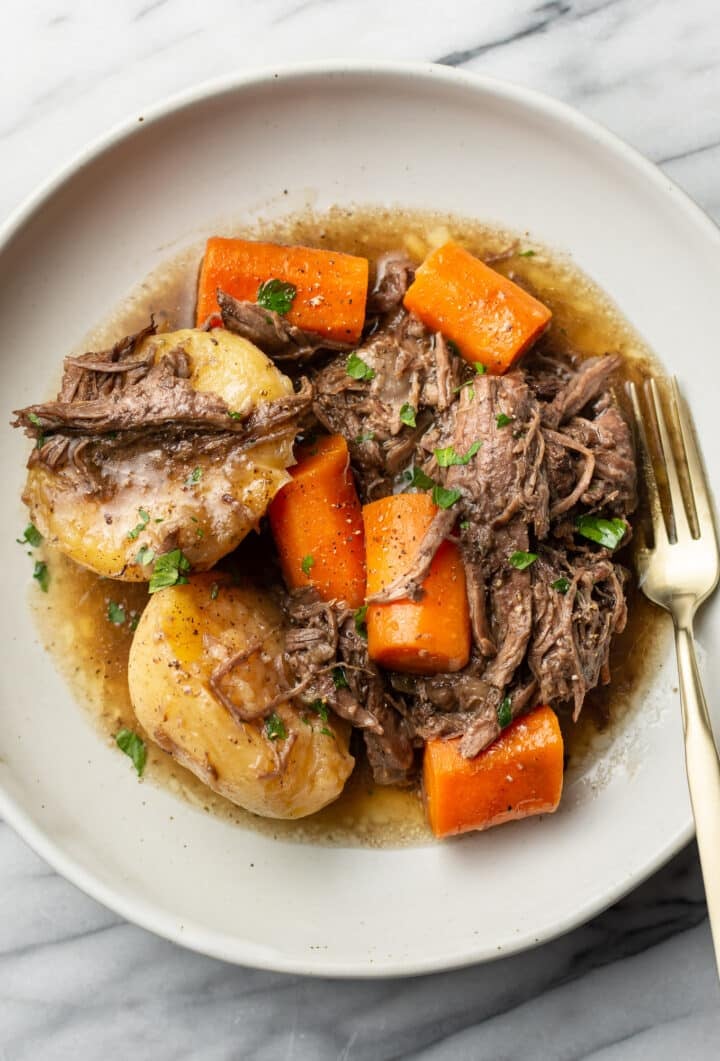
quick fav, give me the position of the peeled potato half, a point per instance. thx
(180, 687)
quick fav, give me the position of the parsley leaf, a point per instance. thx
(447, 457)
(42, 575)
(521, 560)
(339, 679)
(504, 713)
(407, 415)
(607, 532)
(170, 570)
(34, 419)
(465, 524)
(31, 537)
(359, 369)
(194, 477)
(115, 613)
(146, 555)
(561, 585)
(327, 732)
(480, 368)
(234, 416)
(320, 708)
(140, 527)
(277, 296)
(502, 419)
(360, 617)
(419, 480)
(445, 498)
(275, 727)
(526, 254)
(134, 747)
(308, 562)
(367, 437)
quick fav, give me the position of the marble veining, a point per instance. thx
(75, 980)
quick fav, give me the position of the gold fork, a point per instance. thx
(679, 572)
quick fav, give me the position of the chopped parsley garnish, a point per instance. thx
(521, 560)
(339, 679)
(277, 296)
(502, 419)
(115, 613)
(407, 415)
(445, 498)
(607, 532)
(31, 537)
(134, 747)
(140, 527)
(447, 457)
(34, 419)
(134, 622)
(170, 570)
(41, 575)
(562, 585)
(275, 727)
(419, 480)
(327, 732)
(465, 524)
(526, 254)
(234, 415)
(145, 555)
(308, 562)
(504, 713)
(480, 368)
(214, 590)
(360, 617)
(359, 369)
(194, 477)
(367, 437)
(320, 708)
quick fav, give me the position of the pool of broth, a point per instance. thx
(92, 653)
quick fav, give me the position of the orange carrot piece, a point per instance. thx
(331, 288)
(316, 521)
(489, 318)
(430, 635)
(520, 774)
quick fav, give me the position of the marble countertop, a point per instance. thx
(75, 980)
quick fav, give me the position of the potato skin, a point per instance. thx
(208, 516)
(182, 636)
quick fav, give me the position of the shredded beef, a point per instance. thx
(410, 368)
(270, 331)
(116, 399)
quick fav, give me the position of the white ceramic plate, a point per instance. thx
(419, 136)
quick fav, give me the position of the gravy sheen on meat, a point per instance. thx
(554, 443)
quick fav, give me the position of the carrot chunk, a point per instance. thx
(489, 318)
(520, 774)
(330, 287)
(316, 521)
(429, 635)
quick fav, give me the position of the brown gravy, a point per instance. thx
(92, 653)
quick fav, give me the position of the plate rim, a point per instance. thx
(151, 916)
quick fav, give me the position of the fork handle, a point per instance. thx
(703, 772)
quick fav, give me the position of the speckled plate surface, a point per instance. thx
(418, 136)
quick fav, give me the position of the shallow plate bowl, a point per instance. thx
(422, 137)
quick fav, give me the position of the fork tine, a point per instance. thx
(696, 471)
(677, 503)
(658, 523)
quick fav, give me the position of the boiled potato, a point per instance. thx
(202, 503)
(183, 636)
